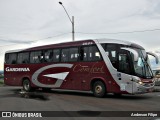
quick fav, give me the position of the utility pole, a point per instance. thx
(72, 21)
(73, 37)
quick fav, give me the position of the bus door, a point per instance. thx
(124, 71)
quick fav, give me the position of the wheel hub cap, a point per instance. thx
(98, 89)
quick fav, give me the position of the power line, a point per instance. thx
(51, 37)
(81, 33)
(7, 40)
(34, 40)
(121, 32)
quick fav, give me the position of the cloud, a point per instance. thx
(26, 19)
(23, 21)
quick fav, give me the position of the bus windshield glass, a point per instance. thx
(129, 60)
(141, 66)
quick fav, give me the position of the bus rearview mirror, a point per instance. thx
(154, 55)
(134, 52)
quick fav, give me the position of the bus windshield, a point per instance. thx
(124, 59)
(141, 66)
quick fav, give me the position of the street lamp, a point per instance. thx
(72, 21)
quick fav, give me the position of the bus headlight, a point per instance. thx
(140, 82)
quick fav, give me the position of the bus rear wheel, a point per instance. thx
(99, 89)
(26, 85)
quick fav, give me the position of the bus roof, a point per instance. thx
(77, 43)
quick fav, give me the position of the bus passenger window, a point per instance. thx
(65, 55)
(56, 55)
(90, 53)
(111, 50)
(73, 54)
(36, 57)
(83, 53)
(48, 55)
(23, 58)
(94, 54)
(11, 58)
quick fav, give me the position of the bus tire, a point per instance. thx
(99, 89)
(26, 85)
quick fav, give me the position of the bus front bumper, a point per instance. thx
(145, 88)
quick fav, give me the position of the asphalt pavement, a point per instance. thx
(82, 103)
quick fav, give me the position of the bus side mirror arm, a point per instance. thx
(135, 53)
(154, 55)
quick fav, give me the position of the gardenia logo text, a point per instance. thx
(8, 69)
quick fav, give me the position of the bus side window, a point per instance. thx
(56, 55)
(65, 55)
(94, 54)
(111, 50)
(48, 55)
(19, 58)
(32, 57)
(7, 58)
(83, 53)
(40, 57)
(36, 57)
(73, 54)
(11, 58)
(23, 58)
(90, 53)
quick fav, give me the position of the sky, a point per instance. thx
(27, 23)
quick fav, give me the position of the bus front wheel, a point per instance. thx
(26, 85)
(99, 89)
